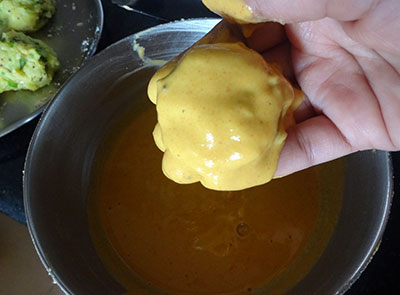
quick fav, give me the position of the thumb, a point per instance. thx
(292, 11)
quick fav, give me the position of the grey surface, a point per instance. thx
(21, 272)
(73, 33)
(61, 154)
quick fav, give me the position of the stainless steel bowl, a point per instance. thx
(60, 157)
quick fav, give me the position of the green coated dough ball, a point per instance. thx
(25, 15)
(25, 63)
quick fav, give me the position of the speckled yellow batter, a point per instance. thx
(222, 116)
(223, 111)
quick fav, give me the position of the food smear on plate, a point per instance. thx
(222, 115)
(26, 15)
(25, 63)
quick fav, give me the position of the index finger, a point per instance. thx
(291, 11)
(311, 142)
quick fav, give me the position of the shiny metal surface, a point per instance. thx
(73, 33)
(167, 10)
(60, 158)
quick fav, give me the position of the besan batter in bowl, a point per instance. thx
(221, 120)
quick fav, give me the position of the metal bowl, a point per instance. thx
(60, 158)
(73, 33)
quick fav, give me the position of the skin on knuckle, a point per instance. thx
(305, 146)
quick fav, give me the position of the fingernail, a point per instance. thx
(259, 14)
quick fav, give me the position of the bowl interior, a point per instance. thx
(60, 158)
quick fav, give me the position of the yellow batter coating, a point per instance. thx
(236, 11)
(222, 115)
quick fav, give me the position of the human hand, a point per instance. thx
(345, 55)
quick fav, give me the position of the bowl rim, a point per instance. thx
(378, 238)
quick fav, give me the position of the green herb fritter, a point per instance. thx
(25, 63)
(25, 15)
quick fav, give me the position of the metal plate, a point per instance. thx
(73, 33)
(60, 158)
